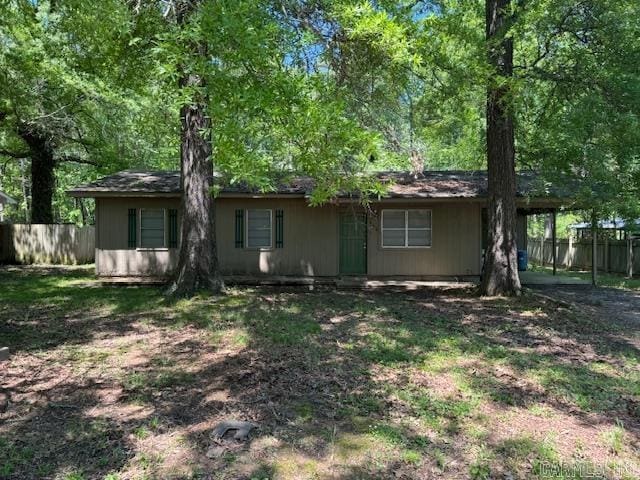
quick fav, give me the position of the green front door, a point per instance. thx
(353, 243)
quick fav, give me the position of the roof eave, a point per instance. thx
(531, 201)
(261, 195)
(103, 194)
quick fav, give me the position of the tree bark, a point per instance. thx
(42, 174)
(198, 261)
(26, 194)
(198, 268)
(501, 258)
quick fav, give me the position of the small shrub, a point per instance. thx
(480, 470)
(412, 456)
(141, 432)
(614, 438)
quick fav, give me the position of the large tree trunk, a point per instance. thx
(42, 175)
(500, 275)
(198, 261)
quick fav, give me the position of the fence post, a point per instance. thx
(606, 253)
(594, 249)
(570, 253)
(629, 256)
(553, 241)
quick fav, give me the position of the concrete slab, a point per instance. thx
(132, 281)
(526, 278)
(540, 278)
(404, 284)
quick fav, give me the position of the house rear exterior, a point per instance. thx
(427, 227)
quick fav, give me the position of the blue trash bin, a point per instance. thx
(523, 260)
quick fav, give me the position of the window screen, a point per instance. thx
(393, 228)
(152, 227)
(258, 228)
(418, 228)
(406, 228)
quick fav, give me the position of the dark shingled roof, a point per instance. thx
(133, 181)
(429, 184)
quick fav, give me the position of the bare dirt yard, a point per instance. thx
(117, 383)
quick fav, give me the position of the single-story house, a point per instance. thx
(428, 226)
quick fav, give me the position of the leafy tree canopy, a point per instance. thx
(330, 88)
(75, 75)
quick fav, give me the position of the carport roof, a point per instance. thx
(5, 199)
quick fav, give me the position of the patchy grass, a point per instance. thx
(614, 280)
(614, 438)
(341, 384)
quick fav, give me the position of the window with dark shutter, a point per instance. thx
(239, 228)
(173, 228)
(279, 228)
(152, 228)
(133, 228)
(259, 228)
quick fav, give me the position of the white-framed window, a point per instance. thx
(152, 227)
(406, 228)
(259, 228)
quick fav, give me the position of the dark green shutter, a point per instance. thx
(239, 228)
(173, 228)
(279, 228)
(133, 229)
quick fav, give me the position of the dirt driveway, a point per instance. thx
(620, 305)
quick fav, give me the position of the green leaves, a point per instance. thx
(580, 111)
(78, 74)
(331, 88)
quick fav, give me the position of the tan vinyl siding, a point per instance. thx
(454, 250)
(113, 257)
(310, 241)
(112, 216)
(132, 263)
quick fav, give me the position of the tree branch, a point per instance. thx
(9, 153)
(76, 159)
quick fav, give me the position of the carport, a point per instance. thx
(534, 278)
(529, 278)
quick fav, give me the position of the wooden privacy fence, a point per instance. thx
(612, 255)
(54, 244)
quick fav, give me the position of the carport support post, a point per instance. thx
(544, 231)
(553, 239)
(594, 249)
